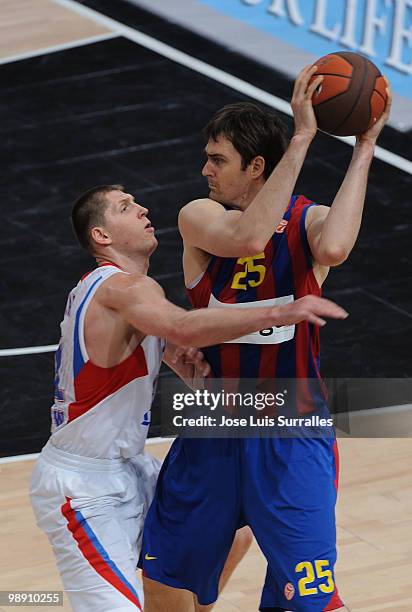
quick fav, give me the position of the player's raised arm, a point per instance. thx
(141, 302)
(261, 197)
(332, 232)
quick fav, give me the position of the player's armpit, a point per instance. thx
(324, 252)
(207, 225)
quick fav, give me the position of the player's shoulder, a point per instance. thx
(133, 286)
(299, 201)
(301, 205)
(132, 279)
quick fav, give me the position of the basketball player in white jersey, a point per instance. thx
(92, 483)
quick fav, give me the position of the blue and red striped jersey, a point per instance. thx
(283, 272)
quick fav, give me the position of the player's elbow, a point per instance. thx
(181, 328)
(245, 242)
(190, 331)
(256, 246)
(249, 247)
(180, 334)
(333, 255)
(234, 246)
(169, 328)
(179, 337)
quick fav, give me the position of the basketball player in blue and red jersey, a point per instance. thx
(92, 482)
(253, 243)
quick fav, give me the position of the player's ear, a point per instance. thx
(100, 235)
(257, 166)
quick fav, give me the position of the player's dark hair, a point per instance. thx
(252, 130)
(88, 212)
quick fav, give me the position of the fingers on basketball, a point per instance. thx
(389, 98)
(302, 81)
(313, 86)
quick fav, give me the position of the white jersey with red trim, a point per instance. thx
(100, 412)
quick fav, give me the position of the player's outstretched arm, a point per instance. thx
(332, 233)
(207, 225)
(140, 301)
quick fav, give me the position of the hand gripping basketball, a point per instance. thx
(303, 112)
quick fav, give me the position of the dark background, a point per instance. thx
(114, 112)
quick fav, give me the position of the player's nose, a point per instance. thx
(207, 169)
(142, 211)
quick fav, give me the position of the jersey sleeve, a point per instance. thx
(297, 225)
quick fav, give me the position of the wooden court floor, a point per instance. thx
(29, 25)
(374, 517)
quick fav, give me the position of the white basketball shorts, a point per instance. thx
(92, 511)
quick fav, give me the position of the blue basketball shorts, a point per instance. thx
(285, 489)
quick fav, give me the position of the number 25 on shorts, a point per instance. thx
(321, 570)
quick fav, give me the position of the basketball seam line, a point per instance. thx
(342, 93)
(365, 71)
(343, 76)
(379, 93)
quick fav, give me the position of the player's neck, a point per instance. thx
(248, 196)
(139, 264)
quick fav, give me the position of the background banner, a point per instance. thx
(288, 34)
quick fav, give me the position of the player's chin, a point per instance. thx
(213, 195)
(150, 244)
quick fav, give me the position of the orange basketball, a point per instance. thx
(351, 97)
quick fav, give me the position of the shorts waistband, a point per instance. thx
(66, 460)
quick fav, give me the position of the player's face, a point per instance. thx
(228, 182)
(127, 222)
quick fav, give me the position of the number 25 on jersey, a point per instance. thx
(241, 280)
